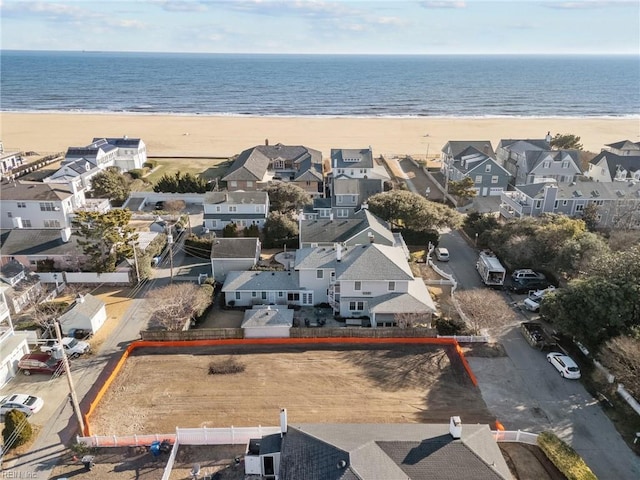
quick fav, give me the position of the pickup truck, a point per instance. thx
(74, 348)
(532, 302)
(535, 334)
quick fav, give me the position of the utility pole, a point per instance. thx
(170, 241)
(67, 369)
(135, 261)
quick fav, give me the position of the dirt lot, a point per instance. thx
(156, 391)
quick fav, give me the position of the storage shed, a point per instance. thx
(267, 322)
(87, 313)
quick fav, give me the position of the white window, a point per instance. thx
(564, 203)
(264, 295)
(357, 286)
(353, 199)
(254, 294)
(233, 184)
(356, 306)
(339, 199)
(392, 286)
(47, 207)
(22, 205)
(494, 179)
(546, 164)
(478, 179)
(249, 183)
(343, 213)
(579, 207)
(487, 168)
(307, 298)
(51, 224)
(214, 223)
(280, 294)
(319, 273)
(565, 164)
(218, 208)
(233, 209)
(26, 223)
(538, 204)
(237, 295)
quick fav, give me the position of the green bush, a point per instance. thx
(198, 247)
(17, 429)
(419, 238)
(230, 230)
(564, 457)
(450, 326)
(136, 173)
(150, 164)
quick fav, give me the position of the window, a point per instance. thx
(233, 184)
(357, 286)
(538, 204)
(22, 205)
(564, 203)
(579, 207)
(555, 204)
(546, 164)
(487, 168)
(26, 223)
(494, 179)
(293, 297)
(237, 295)
(356, 306)
(264, 295)
(478, 179)
(214, 224)
(254, 294)
(218, 208)
(9, 214)
(46, 207)
(319, 273)
(353, 199)
(392, 286)
(343, 213)
(339, 199)
(51, 224)
(565, 164)
(598, 203)
(307, 298)
(249, 183)
(233, 209)
(280, 294)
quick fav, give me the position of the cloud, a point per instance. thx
(588, 4)
(391, 21)
(180, 5)
(129, 24)
(443, 4)
(310, 8)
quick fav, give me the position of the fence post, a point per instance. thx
(518, 435)
(233, 436)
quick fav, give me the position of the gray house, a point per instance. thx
(489, 178)
(613, 167)
(242, 208)
(618, 203)
(512, 152)
(229, 254)
(625, 147)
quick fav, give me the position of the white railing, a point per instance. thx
(633, 403)
(222, 436)
(515, 436)
(467, 338)
(125, 440)
(170, 461)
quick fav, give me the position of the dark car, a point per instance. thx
(528, 274)
(40, 363)
(160, 205)
(524, 285)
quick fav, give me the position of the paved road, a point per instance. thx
(524, 392)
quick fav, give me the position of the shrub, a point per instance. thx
(419, 238)
(17, 429)
(451, 326)
(564, 457)
(198, 247)
(226, 367)
(230, 230)
(252, 231)
(136, 173)
(150, 164)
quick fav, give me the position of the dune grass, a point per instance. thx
(564, 457)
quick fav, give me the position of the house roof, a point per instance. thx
(522, 145)
(390, 451)
(458, 146)
(630, 163)
(417, 300)
(351, 158)
(252, 164)
(85, 306)
(626, 145)
(45, 242)
(261, 281)
(588, 190)
(471, 158)
(373, 262)
(268, 317)
(535, 158)
(308, 171)
(342, 230)
(238, 197)
(120, 142)
(225, 248)
(36, 191)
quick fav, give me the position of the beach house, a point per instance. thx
(233, 254)
(460, 162)
(256, 167)
(13, 345)
(9, 159)
(617, 162)
(242, 208)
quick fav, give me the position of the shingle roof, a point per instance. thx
(340, 158)
(86, 307)
(341, 230)
(417, 300)
(23, 241)
(37, 191)
(261, 281)
(458, 146)
(120, 142)
(234, 248)
(258, 198)
(268, 317)
(627, 145)
(535, 158)
(373, 262)
(390, 452)
(630, 163)
(250, 165)
(523, 145)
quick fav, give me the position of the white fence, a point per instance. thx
(170, 461)
(467, 338)
(633, 403)
(124, 440)
(222, 436)
(515, 436)
(90, 277)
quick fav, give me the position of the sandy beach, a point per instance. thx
(222, 136)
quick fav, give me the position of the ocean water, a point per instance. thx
(321, 85)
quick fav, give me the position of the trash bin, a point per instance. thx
(88, 462)
(155, 449)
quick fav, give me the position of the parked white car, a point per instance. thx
(532, 302)
(442, 254)
(564, 364)
(72, 346)
(27, 404)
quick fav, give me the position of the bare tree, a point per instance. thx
(174, 206)
(485, 309)
(622, 356)
(175, 305)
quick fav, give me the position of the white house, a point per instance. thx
(86, 313)
(356, 163)
(613, 167)
(242, 208)
(38, 205)
(233, 254)
(267, 322)
(13, 345)
(9, 160)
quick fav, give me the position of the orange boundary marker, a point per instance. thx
(267, 341)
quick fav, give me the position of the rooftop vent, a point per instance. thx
(455, 427)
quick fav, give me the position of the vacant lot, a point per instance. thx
(207, 168)
(159, 390)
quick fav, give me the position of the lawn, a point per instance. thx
(208, 168)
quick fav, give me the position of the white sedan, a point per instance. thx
(564, 364)
(27, 404)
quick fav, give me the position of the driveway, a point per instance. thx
(524, 392)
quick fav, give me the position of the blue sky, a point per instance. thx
(309, 26)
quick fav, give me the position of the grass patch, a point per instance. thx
(207, 168)
(564, 457)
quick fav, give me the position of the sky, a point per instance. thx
(318, 26)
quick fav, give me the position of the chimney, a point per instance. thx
(338, 252)
(455, 427)
(372, 237)
(65, 234)
(80, 299)
(364, 206)
(283, 421)
(331, 217)
(266, 142)
(486, 149)
(548, 137)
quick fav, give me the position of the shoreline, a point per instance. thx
(228, 135)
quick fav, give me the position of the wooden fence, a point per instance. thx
(359, 332)
(196, 334)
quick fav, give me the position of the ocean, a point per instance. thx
(321, 85)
